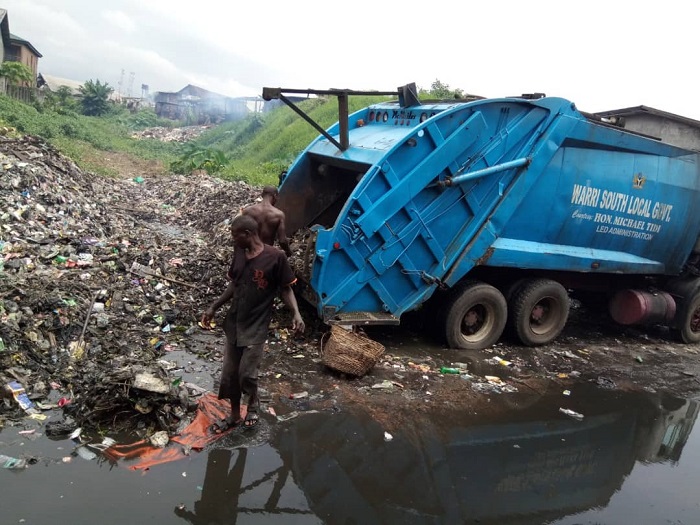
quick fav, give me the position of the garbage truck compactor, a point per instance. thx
(487, 213)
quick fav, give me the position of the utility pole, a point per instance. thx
(131, 84)
(120, 84)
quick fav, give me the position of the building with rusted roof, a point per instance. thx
(198, 105)
(53, 83)
(668, 127)
(22, 51)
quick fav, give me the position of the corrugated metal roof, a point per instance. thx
(53, 83)
(196, 91)
(641, 110)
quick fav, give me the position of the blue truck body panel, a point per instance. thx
(425, 194)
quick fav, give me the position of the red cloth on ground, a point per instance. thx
(196, 435)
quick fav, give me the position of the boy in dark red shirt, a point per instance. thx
(257, 274)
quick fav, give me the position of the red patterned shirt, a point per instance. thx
(257, 282)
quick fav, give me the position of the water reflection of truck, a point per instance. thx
(529, 470)
(670, 431)
(493, 209)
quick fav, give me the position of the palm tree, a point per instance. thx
(95, 95)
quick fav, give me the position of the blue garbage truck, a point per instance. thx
(489, 213)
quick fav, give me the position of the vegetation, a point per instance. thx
(194, 157)
(256, 149)
(62, 101)
(440, 91)
(143, 118)
(260, 147)
(95, 97)
(16, 72)
(83, 137)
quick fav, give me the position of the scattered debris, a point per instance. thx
(104, 445)
(183, 134)
(10, 463)
(151, 383)
(90, 268)
(494, 380)
(85, 453)
(159, 439)
(496, 360)
(606, 382)
(18, 393)
(287, 417)
(571, 413)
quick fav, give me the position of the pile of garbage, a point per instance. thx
(200, 202)
(98, 277)
(184, 134)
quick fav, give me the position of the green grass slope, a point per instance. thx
(261, 146)
(84, 138)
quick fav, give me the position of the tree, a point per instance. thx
(61, 100)
(95, 96)
(64, 95)
(441, 91)
(16, 73)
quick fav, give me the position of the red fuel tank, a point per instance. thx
(640, 307)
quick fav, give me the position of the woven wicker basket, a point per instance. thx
(349, 352)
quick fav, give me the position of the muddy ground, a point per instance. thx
(166, 218)
(591, 352)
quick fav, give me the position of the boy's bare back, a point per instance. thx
(269, 219)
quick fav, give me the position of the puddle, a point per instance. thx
(632, 459)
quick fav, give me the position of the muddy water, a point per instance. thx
(632, 459)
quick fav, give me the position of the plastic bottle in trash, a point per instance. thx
(449, 370)
(12, 463)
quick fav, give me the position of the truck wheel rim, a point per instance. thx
(695, 321)
(545, 315)
(477, 320)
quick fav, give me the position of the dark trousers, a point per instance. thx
(239, 376)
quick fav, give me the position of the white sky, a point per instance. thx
(599, 54)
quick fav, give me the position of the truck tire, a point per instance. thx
(686, 324)
(475, 317)
(689, 320)
(509, 292)
(538, 311)
(513, 288)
